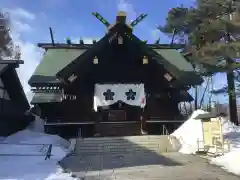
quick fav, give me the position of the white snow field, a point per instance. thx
(191, 131)
(27, 162)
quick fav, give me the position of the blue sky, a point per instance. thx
(73, 18)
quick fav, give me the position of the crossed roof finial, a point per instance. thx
(120, 18)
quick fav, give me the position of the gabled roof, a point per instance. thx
(175, 58)
(171, 59)
(61, 61)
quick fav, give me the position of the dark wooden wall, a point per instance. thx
(12, 118)
(81, 110)
(14, 106)
(158, 108)
(116, 65)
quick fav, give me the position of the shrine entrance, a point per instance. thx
(119, 108)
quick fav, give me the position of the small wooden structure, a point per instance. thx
(213, 139)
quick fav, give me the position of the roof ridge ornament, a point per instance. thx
(120, 19)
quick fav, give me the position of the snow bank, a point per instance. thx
(230, 161)
(37, 125)
(35, 143)
(31, 168)
(28, 161)
(189, 133)
(39, 141)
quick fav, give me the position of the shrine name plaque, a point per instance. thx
(117, 115)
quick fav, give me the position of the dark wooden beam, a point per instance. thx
(11, 62)
(87, 46)
(64, 46)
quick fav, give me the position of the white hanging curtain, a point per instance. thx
(108, 94)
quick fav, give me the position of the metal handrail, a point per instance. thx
(165, 131)
(48, 150)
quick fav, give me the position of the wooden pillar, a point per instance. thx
(143, 122)
(97, 125)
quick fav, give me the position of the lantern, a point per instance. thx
(120, 40)
(95, 60)
(145, 60)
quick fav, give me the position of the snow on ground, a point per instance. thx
(27, 162)
(191, 131)
(230, 161)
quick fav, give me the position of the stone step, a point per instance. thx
(89, 145)
(139, 139)
(124, 144)
(126, 137)
(125, 140)
(121, 148)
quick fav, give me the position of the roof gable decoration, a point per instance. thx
(72, 78)
(120, 19)
(168, 77)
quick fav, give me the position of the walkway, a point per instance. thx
(144, 166)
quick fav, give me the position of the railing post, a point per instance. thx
(80, 132)
(49, 151)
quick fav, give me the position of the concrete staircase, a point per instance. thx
(126, 144)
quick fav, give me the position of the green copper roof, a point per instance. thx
(46, 97)
(176, 64)
(56, 60)
(175, 58)
(53, 61)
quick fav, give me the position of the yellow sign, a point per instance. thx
(213, 139)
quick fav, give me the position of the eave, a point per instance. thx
(12, 63)
(88, 46)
